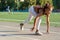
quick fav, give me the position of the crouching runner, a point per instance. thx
(37, 11)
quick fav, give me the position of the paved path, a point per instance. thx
(11, 31)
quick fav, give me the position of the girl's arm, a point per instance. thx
(48, 23)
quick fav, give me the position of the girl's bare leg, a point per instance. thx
(26, 21)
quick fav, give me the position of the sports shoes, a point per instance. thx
(38, 33)
(21, 26)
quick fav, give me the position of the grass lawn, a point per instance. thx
(21, 16)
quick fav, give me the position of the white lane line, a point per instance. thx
(10, 27)
(24, 29)
(7, 26)
(28, 37)
(24, 37)
(53, 22)
(6, 34)
(56, 33)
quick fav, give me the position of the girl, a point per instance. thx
(37, 11)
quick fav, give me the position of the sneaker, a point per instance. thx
(21, 26)
(38, 33)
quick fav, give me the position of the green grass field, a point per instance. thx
(21, 16)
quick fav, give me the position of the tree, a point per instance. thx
(44, 1)
(32, 2)
(11, 3)
(5, 3)
(2, 5)
(58, 4)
